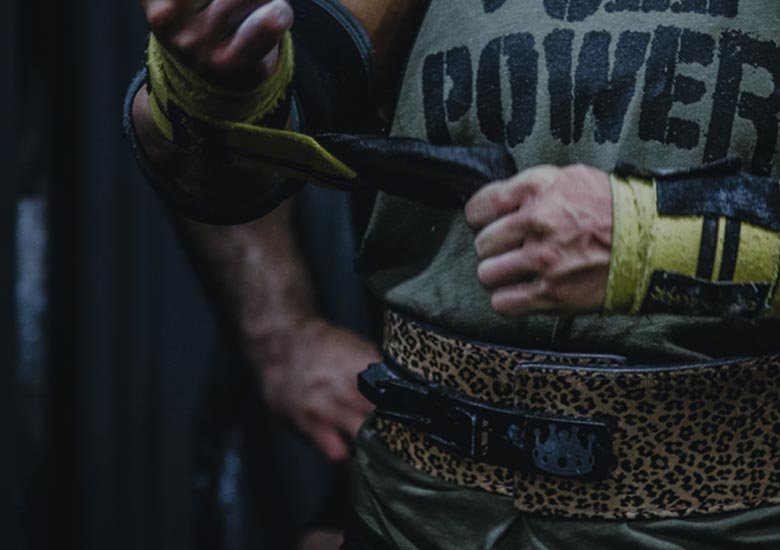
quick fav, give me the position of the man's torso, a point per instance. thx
(657, 83)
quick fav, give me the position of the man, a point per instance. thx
(605, 272)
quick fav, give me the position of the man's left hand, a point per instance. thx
(544, 240)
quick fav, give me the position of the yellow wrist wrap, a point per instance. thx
(210, 120)
(687, 264)
(196, 95)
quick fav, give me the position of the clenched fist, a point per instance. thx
(544, 240)
(230, 42)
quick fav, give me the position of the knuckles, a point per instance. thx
(188, 43)
(519, 191)
(200, 39)
(554, 212)
(163, 17)
(538, 222)
(552, 291)
(575, 173)
(544, 260)
(574, 170)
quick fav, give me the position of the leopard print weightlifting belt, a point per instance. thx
(582, 436)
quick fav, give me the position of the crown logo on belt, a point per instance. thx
(563, 454)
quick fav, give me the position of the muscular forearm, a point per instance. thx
(253, 273)
(261, 289)
(256, 280)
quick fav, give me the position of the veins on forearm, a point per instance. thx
(255, 279)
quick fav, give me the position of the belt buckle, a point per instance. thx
(509, 437)
(523, 441)
(458, 428)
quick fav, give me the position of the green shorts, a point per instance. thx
(411, 510)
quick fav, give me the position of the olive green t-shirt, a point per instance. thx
(657, 83)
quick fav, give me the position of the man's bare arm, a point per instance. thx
(254, 273)
(261, 289)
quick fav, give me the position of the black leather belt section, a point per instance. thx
(533, 442)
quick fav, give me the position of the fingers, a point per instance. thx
(354, 410)
(545, 240)
(518, 279)
(317, 387)
(231, 13)
(351, 399)
(164, 16)
(521, 280)
(342, 409)
(496, 200)
(351, 425)
(501, 198)
(330, 442)
(522, 298)
(254, 39)
(332, 428)
(509, 232)
(233, 41)
(347, 411)
(515, 266)
(332, 434)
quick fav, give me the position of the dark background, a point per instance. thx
(117, 427)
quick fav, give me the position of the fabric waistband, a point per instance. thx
(688, 439)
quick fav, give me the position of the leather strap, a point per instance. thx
(438, 175)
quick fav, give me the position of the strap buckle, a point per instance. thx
(501, 436)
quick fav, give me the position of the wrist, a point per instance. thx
(176, 85)
(149, 136)
(689, 243)
(273, 345)
(278, 354)
(632, 203)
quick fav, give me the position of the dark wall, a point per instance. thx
(128, 335)
(8, 407)
(105, 340)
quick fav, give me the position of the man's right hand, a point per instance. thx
(312, 382)
(234, 43)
